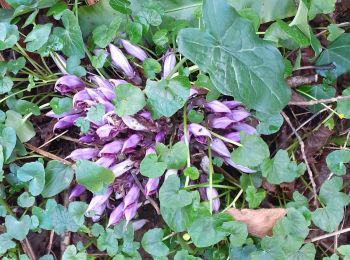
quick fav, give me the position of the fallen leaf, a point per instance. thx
(260, 221)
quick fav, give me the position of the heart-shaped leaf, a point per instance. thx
(151, 168)
(18, 229)
(239, 63)
(34, 173)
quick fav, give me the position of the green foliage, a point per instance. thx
(254, 197)
(121, 6)
(128, 100)
(270, 125)
(151, 168)
(168, 96)
(9, 35)
(151, 67)
(103, 34)
(34, 173)
(175, 157)
(25, 200)
(74, 68)
(38, 37)
(71, 254)
(192, 173)
(6, 243)
(259, 87)
(152, 243)
(61, 105)
(17, 228)
(96, 113)
(24, 129)
(336, 159)
(25, 107)
(93, 176)
(343, 106)
(334, 32)
(195, 117)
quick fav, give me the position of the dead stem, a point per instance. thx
(336, 233)
(319, 101)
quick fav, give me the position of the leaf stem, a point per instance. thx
(225, 139)
(186, 142)
(176, 68)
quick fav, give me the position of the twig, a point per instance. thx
(27, 248)
(302, 148)
(319, 101)
(153, 203)
(328, 235)
(47, 154)
(49, 247)
(297, 81)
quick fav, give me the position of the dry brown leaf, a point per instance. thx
(259, 221)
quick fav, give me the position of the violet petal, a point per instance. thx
(132, 196)
(119, 60)
(245, 128)
(169, 63)
(76, 191)
(134, 50)
(112, 148)
(98, 200)
(133, 124)
(219, 147)
(237, 166)
(130, 212)
(65, 122)
(213, 194)
(151, 186)
(69, 83)
(217, 107)
(131, 143)
(121, 168)
(106, 161)
(116, 215)
(220, 122)
(83, 154)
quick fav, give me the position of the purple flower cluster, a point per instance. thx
(120, 143)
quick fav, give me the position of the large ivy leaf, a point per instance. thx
(58, 177)
(73, 44)
(168, 96)
(307, 252)
(338, 53)
(33, 173)
(247, 67)
(108, 240)
(9, 35)
(93, 176)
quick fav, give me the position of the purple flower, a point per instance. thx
(83, 154)
(169, 63)
(199, 131)
(217, 107)
(69, 83)
(106, 131)
(219, 147)
(234, 136)
(108, 93)
(98, 211)
(132, 196)
(60, 62)
(117, 82)
(76, 191)
(87, 139)
(160, 137)
(138, 224)
(131, 143)
(245, 128)
(231, 104)
(220, 122)
(101, 82)
(112, 148)
(65, 122)
(106, 161)
(99, 200)
(237, 166)
(151, 186)
(150, 150)
(238, 115)
(213, 195)
(133, 124)
(116, 215)
(82, 99)
(121, 168)
(134, 50)
(130, 212)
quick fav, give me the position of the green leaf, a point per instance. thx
(77, 209)
(93, 176)
(318, 92)
(321, 7)
(99, 60)
(6, 85)
(25, 200)
(335, 161)
(83, 124)
(134, 31)
(121, 6)
(25, 107)
(334, 32)
(253, 152)
(307, 252)
(61, 105)
(330, 190)
(338, 53)
(170, 195)
(192, 173)
(234, 69)
(151, 168)
(251, 16)
(6, 243)
(8, 141)
(343, 106)
(149, 16)
(160, 38)
(71, 35)
(152, 243)
(58, 178)
(108, 241)
(281, 169)
(184, 255)
(18, 229)
(103, 34)
(151, 67)
(168, 96)
(62, 221)
(16, 65)
(128, 100)
(96, 113)
(344, 251)
(38, 37)
(254, 197)
(329, 217)
(9, 35)
(24, 129)
(175, 157)
(270, 125)
(57, 10)
(239, 233)
(71, 254)
(73, 67)
(34, 173)
(209, 230)
(271, 249)
(195, 117)
(97, 230)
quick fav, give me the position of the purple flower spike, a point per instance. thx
(234, 136)
(99, 200)
(87, 139)
(237, 166)
(151, 186)
(121, 168)
(65, 122)
(106, 131)
(150, 150)
(112, 148)
(232, 104)
(245, 128)
(117, 82)
(146, 115)
(108, 93)
(160, 137)
(116, 215)
(138, 224)
(69, 83)
(238, 115)
(132, 196)
(133, 124)
(220, 122)
(131, 143)
(76, 191)
(219, 147)
(106, 161)
(83, 154)
(80, 99)
(130, 212)
(168, 63)
(120, 61)
(99, 212)
(217, 107)
(198, 130)
(101, 82)
(133, 50)
(216, 201)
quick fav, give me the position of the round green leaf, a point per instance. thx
(34, 173)
(152, 243)
(18, 229)
(151, 168)
(25, 200)
(129, 100)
